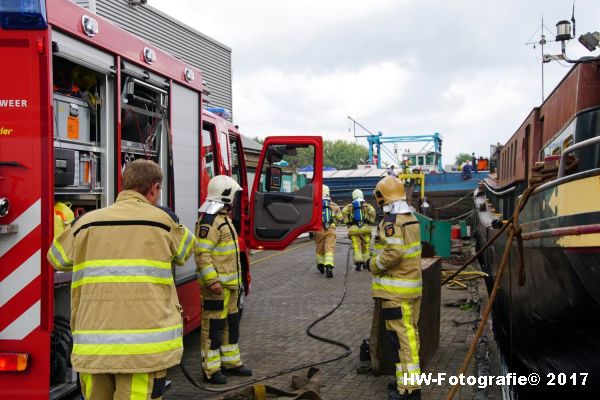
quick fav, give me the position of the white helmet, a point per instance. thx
(222, 189)
(326, 192)
(357, 194)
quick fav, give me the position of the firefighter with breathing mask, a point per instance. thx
(218, 263)
(358, 215)
(397, 283)
(325, 238)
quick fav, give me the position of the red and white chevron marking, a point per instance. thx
(20, 276)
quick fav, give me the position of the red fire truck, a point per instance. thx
(81, 98)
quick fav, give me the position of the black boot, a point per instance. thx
(217, 379)
(394, 395)
(329, 271)
(321, 268)
(237, 371)
(414, 395)
(357, 266)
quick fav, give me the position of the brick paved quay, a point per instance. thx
(288, 293)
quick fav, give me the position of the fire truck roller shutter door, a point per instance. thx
(185, 126)
(82, 54)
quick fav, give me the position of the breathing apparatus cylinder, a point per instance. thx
(357, 213)
(326, 216)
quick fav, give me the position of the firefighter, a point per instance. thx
(358, 215)
(125, 315)
(217, 257)
(325, 238)
(397, 282)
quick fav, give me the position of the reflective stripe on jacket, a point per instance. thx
(125, 314)
(217, 251)
(397, 269)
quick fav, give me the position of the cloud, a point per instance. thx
(314, 103)
(460, 68)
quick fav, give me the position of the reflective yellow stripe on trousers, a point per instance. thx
(87, 384)
(139, 386)
(410, 331)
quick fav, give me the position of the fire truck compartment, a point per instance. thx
(71, 118)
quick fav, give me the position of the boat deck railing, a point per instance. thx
(577, 146)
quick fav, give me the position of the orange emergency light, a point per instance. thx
(13, 362)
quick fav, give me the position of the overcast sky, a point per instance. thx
(402, 67)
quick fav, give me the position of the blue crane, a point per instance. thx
(377, 142)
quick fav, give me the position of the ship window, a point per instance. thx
(588, 126)
(430, 159)
(421, 160)
(515, 148)
(507, 163)
(561, 141)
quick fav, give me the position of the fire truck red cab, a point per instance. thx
(80, 99)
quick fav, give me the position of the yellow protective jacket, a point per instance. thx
(217, 252)
(125, 314)
(369, 215)
(397, 269)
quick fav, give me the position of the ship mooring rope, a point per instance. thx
(469, 193)
(515, 231)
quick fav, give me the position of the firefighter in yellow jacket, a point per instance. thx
(397, 282)
(358, 215)
(125, 316)
(217, 257)
(325, 238)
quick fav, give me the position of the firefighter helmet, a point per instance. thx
(326, 192)
(357, 193)
(389, 189)
(222, 188)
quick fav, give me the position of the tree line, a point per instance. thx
(339, 154)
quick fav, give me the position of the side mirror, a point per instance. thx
(274, 154)
(274, 175)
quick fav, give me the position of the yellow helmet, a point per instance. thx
(326, 192)
(357, 193)
(389, 189)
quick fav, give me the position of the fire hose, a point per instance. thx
(346, 353)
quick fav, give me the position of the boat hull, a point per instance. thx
(550, 325)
